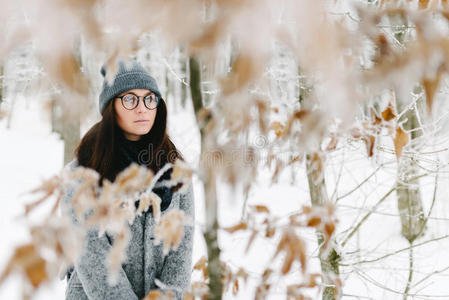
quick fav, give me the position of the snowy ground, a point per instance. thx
(30, 153)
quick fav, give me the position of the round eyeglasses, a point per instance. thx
(130, 101)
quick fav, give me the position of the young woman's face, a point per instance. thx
(135, 122)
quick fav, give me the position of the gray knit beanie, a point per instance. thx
(129, 76)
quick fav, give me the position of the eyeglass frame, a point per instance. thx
(138, 100)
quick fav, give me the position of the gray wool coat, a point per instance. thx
(145, 261)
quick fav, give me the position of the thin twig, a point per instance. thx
(174, 73)
(340, 171)
(396, 252)
(366, 277)
(431, 274)
(356, 228)
(358, 186)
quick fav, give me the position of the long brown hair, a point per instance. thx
(98, 148)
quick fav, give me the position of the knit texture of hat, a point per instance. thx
(129, 76)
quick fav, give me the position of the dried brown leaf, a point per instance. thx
(332, 145)
(430, 87)
(266, 274)
(423, 4)
(278, 128)
(300, 248)
(189, 296)
(144, 204)
(170, 229)
(388, 114)
(181, 172)
(370, 141)
(235, 287)
(401, 139)
(383, 46)
(329, 229)
(210, 36)
(128, 174)
(375, 119)
(294, 248)
(251, 240)
(201, 265)
(244, 70)
(260, 209)
(316, 166)
(270, 231)
(27, 259)
(155, 295)
(314, 221)
(69, 71)
(240, 226)
(288, 261)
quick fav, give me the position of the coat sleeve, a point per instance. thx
(91, 264)
(177, 265)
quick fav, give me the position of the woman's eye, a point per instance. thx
(128, 98)
(150, 98)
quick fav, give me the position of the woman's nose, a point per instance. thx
(141, 105)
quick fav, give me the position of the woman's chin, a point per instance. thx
(141, 131)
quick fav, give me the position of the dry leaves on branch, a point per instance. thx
(144, 204)
(133, 178)
(48, 187)
(231, 279)
(170, 229)
(182, 173)
(245, 69)
(26, 259)
(57, 236)
(294, 248)
(319, 217)
(109, 213)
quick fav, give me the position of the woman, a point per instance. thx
(132, 129)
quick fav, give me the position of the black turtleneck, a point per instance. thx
(128, 152)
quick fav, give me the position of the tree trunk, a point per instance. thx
(209, 181)
(329, 258)
(408, 193)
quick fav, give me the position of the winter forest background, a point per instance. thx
(315, 134)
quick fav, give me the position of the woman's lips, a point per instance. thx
(141, 121)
